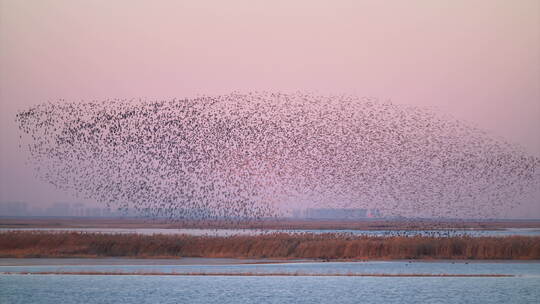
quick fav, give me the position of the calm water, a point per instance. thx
(228, 232)
(522, 269)
(220, 289)
(524, 288)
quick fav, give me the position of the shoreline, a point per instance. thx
(277, 224)
(122, 261)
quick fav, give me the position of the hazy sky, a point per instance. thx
(478, 61)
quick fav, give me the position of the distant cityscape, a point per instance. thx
(56, 209)
(336, 213)
(81, 210)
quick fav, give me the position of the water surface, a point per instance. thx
(64, 288)
(56, 289)
(522, 269)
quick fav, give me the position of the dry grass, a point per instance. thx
(31, 244)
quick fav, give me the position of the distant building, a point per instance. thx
(58, 209)
(13, 208)
(374, 213)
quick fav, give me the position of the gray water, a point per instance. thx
(522, 269)
(56, 289)
(229, 232)
(524, 287)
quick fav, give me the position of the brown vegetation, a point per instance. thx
(25, 244)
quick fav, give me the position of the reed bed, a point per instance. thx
(38, 244)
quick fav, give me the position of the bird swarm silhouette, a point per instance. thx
(257, 155)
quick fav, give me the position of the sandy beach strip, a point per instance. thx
(211, 261)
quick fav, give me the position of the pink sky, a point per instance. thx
(477, 60)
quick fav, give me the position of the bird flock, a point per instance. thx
(260, 155)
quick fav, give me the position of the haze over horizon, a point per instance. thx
(477, 61)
